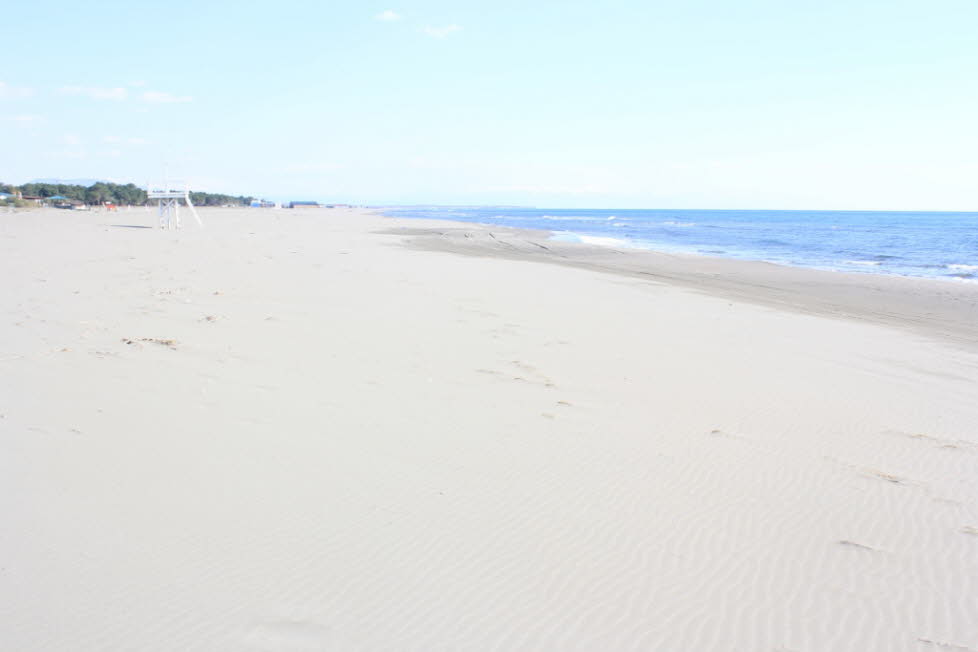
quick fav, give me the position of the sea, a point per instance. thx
(940, 245)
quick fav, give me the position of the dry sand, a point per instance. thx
(290, 431)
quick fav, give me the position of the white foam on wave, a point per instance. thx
(597, 240)
(565, 236)
(603, 241)
(865, 263)
(675, 223)
(961, 267)
(570, 218)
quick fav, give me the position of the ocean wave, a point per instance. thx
(964, 278)
(598, 240)
(604, 241)
(902, 244)
(570, 218)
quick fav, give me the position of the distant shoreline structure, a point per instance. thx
(62, 193)
(100, 193)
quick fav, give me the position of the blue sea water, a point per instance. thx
(924, 244)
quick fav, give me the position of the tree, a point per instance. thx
(98, 193)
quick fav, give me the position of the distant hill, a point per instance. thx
(71, 182)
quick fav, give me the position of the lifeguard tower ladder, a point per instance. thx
(170, 197)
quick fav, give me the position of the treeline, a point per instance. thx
(215, 199)
(102, 192)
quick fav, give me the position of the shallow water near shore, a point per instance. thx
(922, 244)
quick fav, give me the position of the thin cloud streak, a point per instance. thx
(8, 92)
(96, 93)
(160, 97)
(23, 120)
(441, 32)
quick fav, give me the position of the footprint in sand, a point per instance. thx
(723, 434)
(531, 374)
(858, 546)
(889, 477)
(938, 442)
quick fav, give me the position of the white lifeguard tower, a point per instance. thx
(170, 194)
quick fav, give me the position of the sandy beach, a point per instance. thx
(330, 430)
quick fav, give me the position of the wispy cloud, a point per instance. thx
(139, 83)
(159, 97)
(96, 92)
(441, 32)
(388, 15)
(119, 93)
(137, 141)
(71, 139)
(8, 92)
(23, 119)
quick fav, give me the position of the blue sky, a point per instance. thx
(643, 104)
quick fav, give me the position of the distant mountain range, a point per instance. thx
(71, 182)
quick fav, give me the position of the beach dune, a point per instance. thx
(329, 430)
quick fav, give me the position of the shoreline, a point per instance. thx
(956, 272)
(932, 307)
(868, 267)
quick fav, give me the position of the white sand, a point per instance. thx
(358, 445)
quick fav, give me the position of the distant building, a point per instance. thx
(303, 204)
(60, 201)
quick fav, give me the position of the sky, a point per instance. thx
(800, 104)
